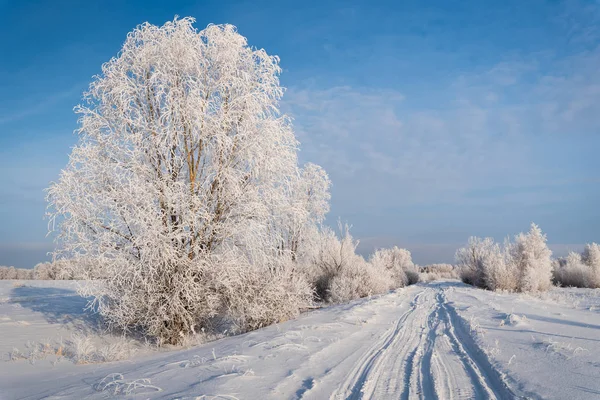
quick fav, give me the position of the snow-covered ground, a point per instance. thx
(439, 340)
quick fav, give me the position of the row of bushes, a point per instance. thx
(525, 264)
(58, 270)
(338, 274)
(579, 270)
(433, 272)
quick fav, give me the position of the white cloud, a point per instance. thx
(481, 130)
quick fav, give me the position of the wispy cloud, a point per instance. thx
(480, 130)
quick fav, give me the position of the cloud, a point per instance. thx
(480, 130)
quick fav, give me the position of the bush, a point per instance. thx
(338, 274)
(333, 258)
(434, 272)
(15, 273)
(531, 259)
(572, 272)
(524, 266)
(396, 262)
(256, 297)
(579, 270)
(591, 258)
(470, 260)
(360, 279)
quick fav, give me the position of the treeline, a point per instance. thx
(525, 264)
(58, 270)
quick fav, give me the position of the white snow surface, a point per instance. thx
(436, 340)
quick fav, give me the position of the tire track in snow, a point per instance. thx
(429, 354)
(486, 379)
(352, 388)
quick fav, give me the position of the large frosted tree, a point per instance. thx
(177, 187)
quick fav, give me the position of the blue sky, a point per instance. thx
(436, 120)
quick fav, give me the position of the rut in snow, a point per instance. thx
(429, 353)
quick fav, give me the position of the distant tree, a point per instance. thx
(470, 260)
(185, 181)
(532, 258)
(333, 256)
(524, 265)
(396, 261)
(571, 271)
(591, 258)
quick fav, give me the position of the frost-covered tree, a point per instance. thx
(524, 265)
(499, 272)
(571, 271)
(469, 260)
(396, 261)
(359, 279)
(182, 180)
(485, 264)
(306, 212)
(432, 272)
(8, 272)
(332, 257)
(591, 258)
(532, 259)
(15, 273)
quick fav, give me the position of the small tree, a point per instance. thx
(571, 271)
(532, 258)
(498, 269)
(591, 258)
(305, 213)
(470, 260)
(396, 262)
(178, 185)
(332, 257)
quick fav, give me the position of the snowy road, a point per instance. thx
(440, 340)
(427, 354)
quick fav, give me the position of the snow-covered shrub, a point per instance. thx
(185, 175)
(591, 258)
(469, 260)
(308, 206)
(15, 273)
(81, 349)
(572, 272)
(579, 270)
(255, 297)
(434, 272)
(359, 279)
(7, 272)
(57, 270)
(499, 269)
(68, 269)
(524, 265)
(332, 256)
(531, 258)
(396, 261)
(22, 273)
(339, 274)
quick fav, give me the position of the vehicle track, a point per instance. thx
(428, 354)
